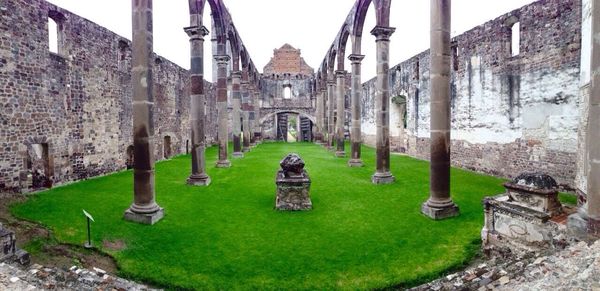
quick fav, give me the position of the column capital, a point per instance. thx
(222, 59)
(244, 83)
(340, 73)
(383, 32)
(331, 82)
(356, 58)
(196, 32)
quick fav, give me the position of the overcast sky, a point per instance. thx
(310, 25)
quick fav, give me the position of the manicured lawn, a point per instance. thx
(227, 235)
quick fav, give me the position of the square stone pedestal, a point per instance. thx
(144, 218)
(438, 213)
(382, 178)
(198, 180)
(293, 193)
(293, 185)
(355, 163)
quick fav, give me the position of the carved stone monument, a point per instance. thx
(293, 185)
(528, 216)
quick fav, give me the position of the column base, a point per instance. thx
(383, 178)
(237, 154)
(198, 180)
(355, 163)
(246, 149)
(438, 213)
(340, 154)
(583, 227)
(223, 164)
(144, 218)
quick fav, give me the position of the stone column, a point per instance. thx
(197, 103)
(222, 61)
(245, 114)
(318, 124)
(440, 204)
(330, 114)
(339, 123)
(144, 208)
(323, 117)
(252, 115)
(593, 129)
(355, 134)
(382, 100)
(236, 116)
(257, 126)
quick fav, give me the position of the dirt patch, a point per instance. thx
(117, 245)
(44, 249)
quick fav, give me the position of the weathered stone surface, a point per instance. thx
(577, 267)
(510, 114)
(78, 102)
(37, 277)
(293, 185)
(525, 217)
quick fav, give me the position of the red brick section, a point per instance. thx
(287, 60)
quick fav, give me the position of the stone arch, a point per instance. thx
(341, 50)
(299, 112)
(382, 18)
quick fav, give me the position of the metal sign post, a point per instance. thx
(88, 244)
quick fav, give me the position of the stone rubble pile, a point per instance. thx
(574, 268)
(36, 277)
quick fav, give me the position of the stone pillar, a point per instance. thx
(257, 126)
(197, 101)
(222, 61)
(144, 208)
(236, 115)
(355, 133)
(318, 124)
(440, 204)
(339, 123)
(330, 113)
(252, 115)
(323, 117)
(245, 114)
(593, 129)
(382, 100)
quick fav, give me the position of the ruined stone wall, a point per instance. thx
(509, 113)
(77, 103)
(584, 93)
(273, 101)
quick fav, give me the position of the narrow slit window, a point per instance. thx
(52, 36)
(515, 42)
(287, 93)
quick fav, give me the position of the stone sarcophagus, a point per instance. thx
(293, 185)
(527, 217)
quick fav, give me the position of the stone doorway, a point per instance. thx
(293, 127)
(129, 160)
(167, 147)
(38, 166)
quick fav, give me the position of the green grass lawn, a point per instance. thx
(227, 235)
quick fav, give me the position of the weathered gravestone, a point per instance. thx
(293, 185)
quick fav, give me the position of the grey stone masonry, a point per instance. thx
(293, 185)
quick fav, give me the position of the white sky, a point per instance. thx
(310, 25)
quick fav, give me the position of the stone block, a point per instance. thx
(144, 218)
(437, 213)
(293, 185)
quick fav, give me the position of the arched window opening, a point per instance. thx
(55, 32)
(515, 39)
(287, 92)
